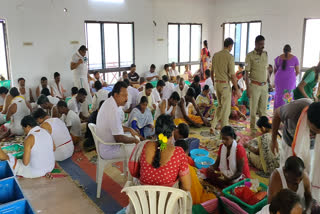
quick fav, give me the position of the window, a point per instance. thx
(4, 70)
(184, 44)
(110, 47)
(311, 48)
(243, 35)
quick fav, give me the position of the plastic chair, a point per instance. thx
(101, 163)
(148, 199)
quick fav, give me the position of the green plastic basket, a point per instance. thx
(5, 83)
(15, 148)
(67, 99)
(251, 209)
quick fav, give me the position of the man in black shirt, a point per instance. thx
(133, 76)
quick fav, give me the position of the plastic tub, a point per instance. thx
(198, 153)
(5, 170)
(18, 149)
(5, 83)
(199, 162)
(10, 191)
(251, 209)
(17, 207)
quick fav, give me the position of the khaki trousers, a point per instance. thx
(258, 102)
(223, 91)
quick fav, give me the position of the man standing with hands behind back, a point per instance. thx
(222, 73)
(256, 81)
(79, 66)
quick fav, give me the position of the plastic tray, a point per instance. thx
(5, 170)
(198, 161)
(15, 147)
(10, 191)
(251, 209)
(5, 83)
(17, 207)
(195, 153)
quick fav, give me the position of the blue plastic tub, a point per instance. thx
(198, 153)
(10, 191)
(203, 162)
(17, 207)
(5, 170)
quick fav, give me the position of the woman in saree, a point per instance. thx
(205, 103)
(258, 149)
(141, 119)
(205, 57)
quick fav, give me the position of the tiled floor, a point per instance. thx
(59, 195)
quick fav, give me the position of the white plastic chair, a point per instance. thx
(148, 199)
(101, 163)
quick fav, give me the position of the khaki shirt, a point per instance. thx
(256, 66)
(223, 65)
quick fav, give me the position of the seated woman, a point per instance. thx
(141, 120)
(63, 145)
(231, 165)
(182, 113)
(236, 113)
(205, 103)
(198, 194)
(38, 158)
(168, 106)
(258, 149)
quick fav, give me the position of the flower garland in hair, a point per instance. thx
(163, 141)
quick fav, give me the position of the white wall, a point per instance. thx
(50, 29)
(282, 21)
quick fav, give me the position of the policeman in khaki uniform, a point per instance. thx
(222, 72)
(256, 81)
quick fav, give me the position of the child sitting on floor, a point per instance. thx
(236, 113)
(231, 165)
(198, 194)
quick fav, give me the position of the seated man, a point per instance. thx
(124, 76)
(183, 115)
(168, 89)
(181, 132)
(63, 145)
(182, 88)
(167, 106)
(173, 72)
(25, 92)
(152, 75)
(17, 110)
(51, 99)
(51, 108)
(57, 89)
(74, 91)
(111, 130)
(43, 84)
(148, 93)
(97, 77)
(100, 95)
(71, 120)
(38, 157)
(133, 76)
(196, 86)
(75, 104)
(3, 93)
(209, 82)
(293, 177)
(165, 72)
(157, 92)
(133, 95)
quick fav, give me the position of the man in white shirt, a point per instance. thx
(109, 125)
(164, 72)
(100, 95)
(24, 91)
(182, 88)
(72, 121)
(173, 72)
(157, 92)
(43, 84)
(51, 99)
(168, 88)
(133, 95)
(152, 74)
(97, 77)
(75, 104)
(50, 108)
(57, 89)
(79, 65)
(209, 81)
(148, 93)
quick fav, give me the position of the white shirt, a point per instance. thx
(242, 84)
(98, 97)
(53, 100)
(173, 73)
(210, 84)
(156, 96)
(26, 95)
(108, 128)
(1, 101)
(72, 120)
(57, 90)
(149, 74)
(82, 69)
(134, 93)
(265, 210)
(163, 72)
(167, 90)
(74, 105)
(184, 90)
